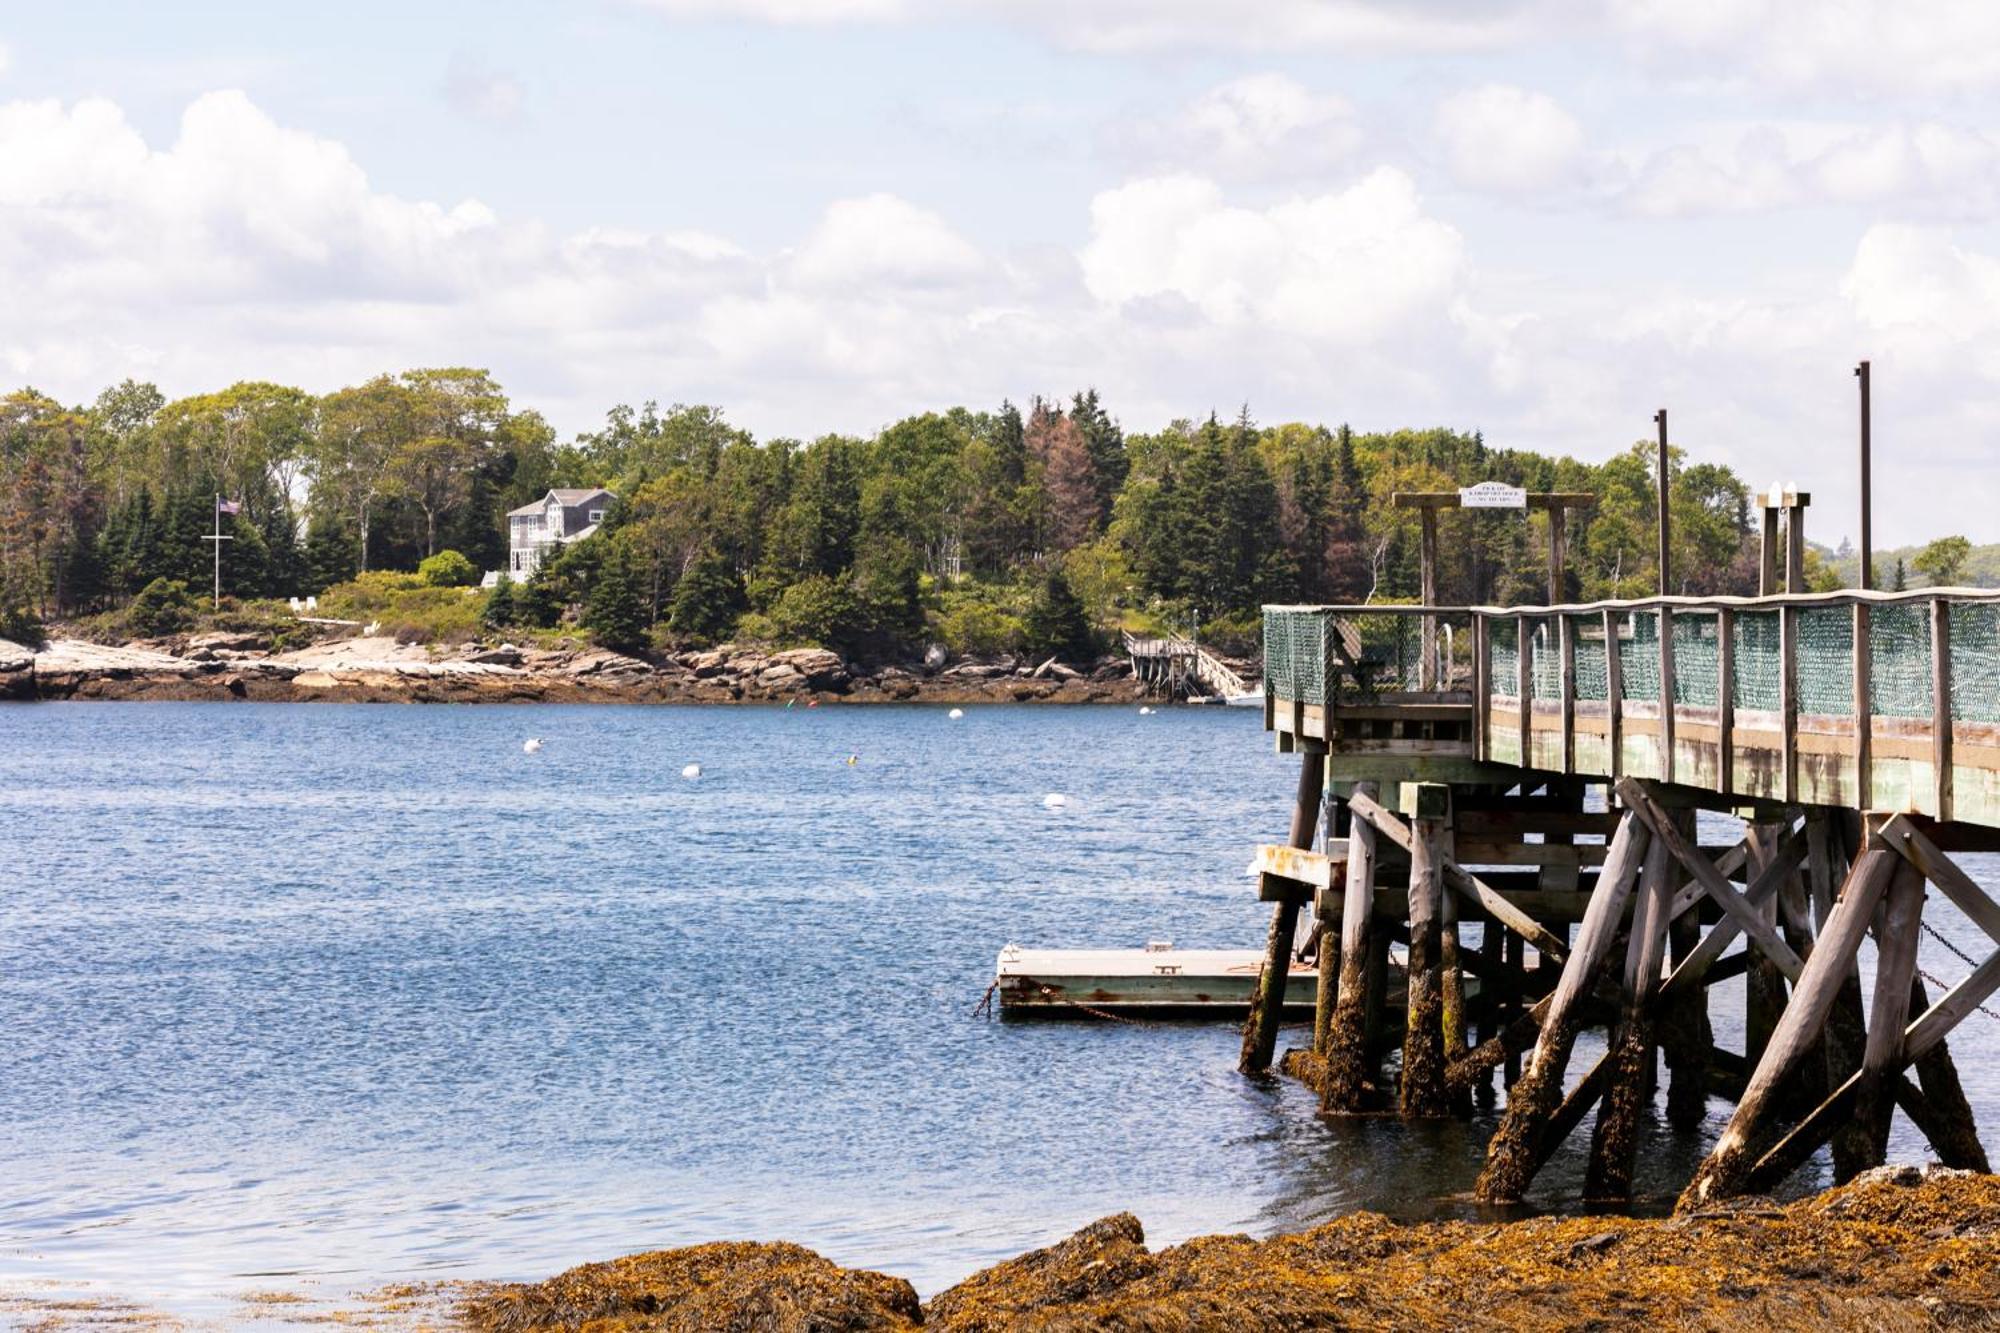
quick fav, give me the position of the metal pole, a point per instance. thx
(1666, 580)
(215, 602)
(1867, 507)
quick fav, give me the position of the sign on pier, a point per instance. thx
(1493, 495)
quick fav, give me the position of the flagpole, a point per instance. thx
(215, 601)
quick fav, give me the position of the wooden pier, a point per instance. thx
(1537, 771)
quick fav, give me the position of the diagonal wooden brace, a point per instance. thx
(1633, 793)
(1463, 882)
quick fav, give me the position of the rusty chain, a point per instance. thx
(1959, 954)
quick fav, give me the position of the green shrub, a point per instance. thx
(706, 600)
(970, 625)
(161, 607)
(406, 609)
(816, 610)
(754, 627)
(20, 624)
(447, 569)
(616, 612)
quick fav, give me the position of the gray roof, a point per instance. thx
(568, 497)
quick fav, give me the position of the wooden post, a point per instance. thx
(1666, 624)
(1727, 1167)
(1615, 1143)
(1524, 662)
(1260, 1030)
(1867, 579)
(1864, 712)
(1482, 688)
(1896, 935)
(1519, 1146)
(1345, 1091)
(1614, 692)
(1795, 543)
(1451, 972)
(1516, 951)
(1725, 698)
(1666, 509)
(1767, 552)
(1788, 697)
(1685, 1032)
(1941, 758)
(1566, 635)
(1558, 554)
(1427, 666)
(1953, 1135)
(1764, 984)
(1327, 907)
(1423, 1092)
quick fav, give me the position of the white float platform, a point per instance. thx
(1157, 979)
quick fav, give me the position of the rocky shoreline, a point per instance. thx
(223, 666)
(1898, 1248)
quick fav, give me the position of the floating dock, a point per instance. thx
(1158, 980)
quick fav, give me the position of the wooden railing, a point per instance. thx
(1856, 699)
(1207, 669)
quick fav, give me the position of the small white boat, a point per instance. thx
(1158, 978)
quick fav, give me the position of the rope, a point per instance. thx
(984, 1009)
(1962, 957)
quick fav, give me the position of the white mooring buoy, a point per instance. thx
(1055, 800)
(532, 745)
(691, 772)
(955, 714)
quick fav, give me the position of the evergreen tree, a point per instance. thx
(538, 603)
(1105, 443)
(330, 553)
(615, 613)
(707, 600)
(499, 610)
(1056, 625)
(1902, 583)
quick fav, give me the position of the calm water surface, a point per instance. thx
(332, 995)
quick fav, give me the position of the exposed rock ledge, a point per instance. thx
(223, 666)
(1896, 1249)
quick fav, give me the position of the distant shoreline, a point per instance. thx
(382, 671)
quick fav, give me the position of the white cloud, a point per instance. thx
(1887, 46)
(1171, 25)
(882, 242)
(1927, 170)
(1344, 266)
(1259, 126)
(6, 58)
(1509, 140)
(482, 93)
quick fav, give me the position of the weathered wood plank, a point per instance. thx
(1346, 1088)
(1260, 1030)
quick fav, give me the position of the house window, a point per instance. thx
(517, 562)
(597, 516)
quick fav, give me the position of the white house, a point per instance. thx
(557, 519)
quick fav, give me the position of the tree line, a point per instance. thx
(977, 528)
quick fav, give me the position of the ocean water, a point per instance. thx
(332, 995)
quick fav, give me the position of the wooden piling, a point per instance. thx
(1346, 1088)
(1686, 1035)
(1896, 935)
(1615, 1143)
(1423, 1088)
(1267, 1008)
(1952, 1130)
(1519, 1146)
(1727, 1168)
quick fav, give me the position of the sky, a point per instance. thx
(1541, 219)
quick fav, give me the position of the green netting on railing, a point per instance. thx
(1295, 653)
(1975, 661)
(1754, 658)
(1825, 660)
(1503, 659)
(1639, 656)
(1899, 658)
(1591, 680)
(1547, 666)
(1697, 659)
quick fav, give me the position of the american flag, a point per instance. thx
(223, 506)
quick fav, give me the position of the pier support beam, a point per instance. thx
(1526, 1134)
(1423, 1089)
(1260, 1030)
(1614, 1146)
(1347, 1066)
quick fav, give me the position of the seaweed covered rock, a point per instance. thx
(735, 1287)
(1091, 1266)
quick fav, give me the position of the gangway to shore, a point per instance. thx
(1184, 669)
